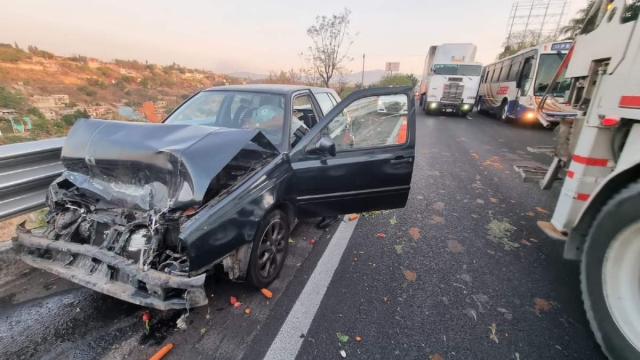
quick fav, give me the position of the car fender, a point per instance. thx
(223, 226)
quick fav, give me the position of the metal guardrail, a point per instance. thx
(26, 171)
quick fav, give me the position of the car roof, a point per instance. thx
(271, 88)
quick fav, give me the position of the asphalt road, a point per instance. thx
(461, 273)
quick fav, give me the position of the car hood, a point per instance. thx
(154, 166)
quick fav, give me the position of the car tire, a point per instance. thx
(269, 250)
(502, 112)
(609, 253)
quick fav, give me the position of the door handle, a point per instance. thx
(402, 160)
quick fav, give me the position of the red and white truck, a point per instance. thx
(598, 210)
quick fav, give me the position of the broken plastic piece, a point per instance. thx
(268, 294)
(353, 217)
(162, 352)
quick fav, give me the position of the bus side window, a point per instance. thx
(505, 70)
(515, 68)
(525, 77)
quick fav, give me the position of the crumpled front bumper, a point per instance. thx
(110, 274)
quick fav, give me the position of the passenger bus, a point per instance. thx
(513, 87)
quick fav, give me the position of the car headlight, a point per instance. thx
(433, 105)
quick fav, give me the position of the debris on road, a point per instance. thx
(343, 353)
(454, 246)
(436, 220)
(541, 305)
(435, 357)
(162, 352)
(493, 200)
(358, 338)
(472, 313)
(342, 337)
(499, 232)
(145, 318)
(507, 313)
(493, 161)
(493, 335)
(398, 249)
(415, 233)
(541, 210)
(181, 323)
(290, 241)
(268, 294)
(203, 330)
(439, 206)
(410, 275)
(237, 305)
(380, 235)
(233, 300)
(525, 242)
(353, 217)
(530, 213)
(312, 241)
(247, 311)
(393, 220)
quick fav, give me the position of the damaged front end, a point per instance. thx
(117, 211)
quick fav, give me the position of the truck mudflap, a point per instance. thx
(110, 274)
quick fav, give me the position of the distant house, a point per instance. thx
(97, 111)
(49, 114)
(7, 112)
(60, 99)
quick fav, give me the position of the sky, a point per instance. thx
(253, 35)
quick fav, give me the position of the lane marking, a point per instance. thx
(288, 341)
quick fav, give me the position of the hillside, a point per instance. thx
(43, 92)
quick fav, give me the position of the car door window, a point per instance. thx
(304, 110)
(325, 102)
(373, 121)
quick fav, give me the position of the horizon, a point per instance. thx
(255, 42)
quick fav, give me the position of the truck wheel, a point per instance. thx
(269, 250)
(610, 275)
(502, 113)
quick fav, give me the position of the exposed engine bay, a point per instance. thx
(117, 212)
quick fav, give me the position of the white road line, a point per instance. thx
(286, 345)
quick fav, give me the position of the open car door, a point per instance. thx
(359, 157)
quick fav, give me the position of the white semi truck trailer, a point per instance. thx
(450, 79)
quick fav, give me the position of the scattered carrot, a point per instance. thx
(233, 300)
(380, 235)
(353, 217)
(247, 311)
(268, 294)
(355, 259)
(358, 338)
(162, 352)
(313, 241)
(237, 305)
(145, 318)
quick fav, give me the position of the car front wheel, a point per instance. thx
(269, 250)
(610, 275)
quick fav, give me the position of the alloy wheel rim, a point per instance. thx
(621, 282)
(271, 249)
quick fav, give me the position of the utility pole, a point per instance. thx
(362, 80)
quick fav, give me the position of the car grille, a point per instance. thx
(452, 92)
(455, 79)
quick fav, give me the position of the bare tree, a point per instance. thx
(342, 80)
(331, 43)
(523, 40)
(308, 72)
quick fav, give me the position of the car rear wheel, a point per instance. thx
(269, 250)
(610, 275)
(479, 108)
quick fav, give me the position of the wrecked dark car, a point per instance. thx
(143, 212)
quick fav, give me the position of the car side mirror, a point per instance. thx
(325, 146)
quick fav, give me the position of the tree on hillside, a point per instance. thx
(571, 30)
(331, 42)
(284, 77)
(394, 80)
(414, 80)
(523, 40)
(11, 100)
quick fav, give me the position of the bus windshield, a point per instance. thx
(455, 69)
(548, 66)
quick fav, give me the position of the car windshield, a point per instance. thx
(549, 64)
(235, 110)
(455, 69)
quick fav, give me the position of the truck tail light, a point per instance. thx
(610, 121)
